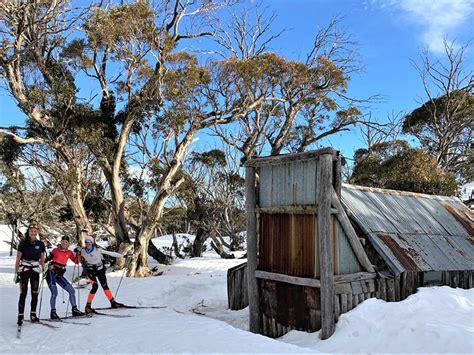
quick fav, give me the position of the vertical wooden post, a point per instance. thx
(337, 171)
(324, 191)
(254, 309)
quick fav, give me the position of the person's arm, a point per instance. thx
(43, 255)
(111, 253)
(17, 262)
(75, 256)
(51, 255)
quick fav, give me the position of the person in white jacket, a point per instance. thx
(95, 271)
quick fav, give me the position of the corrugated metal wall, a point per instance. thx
(287, 246)
(288, 184)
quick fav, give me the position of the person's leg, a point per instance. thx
(64, 283)
(24, 279)
(103, 282)
(51, 280)
(93, 279)
(34, 282)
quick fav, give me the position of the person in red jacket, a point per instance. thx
(55, 276)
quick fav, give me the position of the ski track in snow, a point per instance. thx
(436, 319)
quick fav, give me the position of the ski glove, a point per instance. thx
(16, 278)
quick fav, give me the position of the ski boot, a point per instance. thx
(53, 315)
(34, 318)
(77, 313)
(115, 304)
(20, 320)
(89, 309)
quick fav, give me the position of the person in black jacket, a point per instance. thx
(29, 263)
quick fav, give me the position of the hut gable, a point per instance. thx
(287, 224)
(413, 232)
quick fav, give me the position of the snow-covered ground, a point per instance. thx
(437, 319)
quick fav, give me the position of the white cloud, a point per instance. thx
(438, 19)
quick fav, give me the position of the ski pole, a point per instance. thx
(78, 287)
(41, 293)
(127, 264)
(62, 293)
(73, 272)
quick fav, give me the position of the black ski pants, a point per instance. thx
(97, 276)
(32, 277)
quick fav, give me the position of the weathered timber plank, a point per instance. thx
(358, 276)
(349, 302)
(343, 288)
(324, 191)
(343, 297)
(350, 233)
(397, 288)
(390, 290)
(273, 160)
(337, 307)
(303, 209)
(254, 308)
(294, 280)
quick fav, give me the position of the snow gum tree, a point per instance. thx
(443, 123)
(34, 70)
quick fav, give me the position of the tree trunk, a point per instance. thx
(158, 255)
(219, 249)
(199, 240)
(118, 208)
(75, 201)
(139, 264)
(143, 247)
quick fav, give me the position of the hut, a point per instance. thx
(317, 248)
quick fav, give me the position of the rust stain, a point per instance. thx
(402, 255)
(286, 244)
(455, 246)
(468, 225)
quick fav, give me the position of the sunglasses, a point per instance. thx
(88, 242)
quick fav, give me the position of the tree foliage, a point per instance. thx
(394, 165)
(444, 123)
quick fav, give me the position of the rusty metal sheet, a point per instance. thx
(463, 260)
(423, 215)
(443, 217)
(400, 250)
(395, 209)
(361, 209)
(414, 232)
(287, 244)
(431, 253)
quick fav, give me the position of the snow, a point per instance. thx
(466, 191)
(436, 319)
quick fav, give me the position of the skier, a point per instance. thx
(29, 263)
(95, 271)
(55, 275)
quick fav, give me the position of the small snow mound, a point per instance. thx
(435, 319)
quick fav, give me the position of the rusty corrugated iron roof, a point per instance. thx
(412, 231)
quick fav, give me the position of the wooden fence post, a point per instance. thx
(254, 309)
(324, 191)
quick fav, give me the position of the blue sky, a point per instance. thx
(388, 34)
